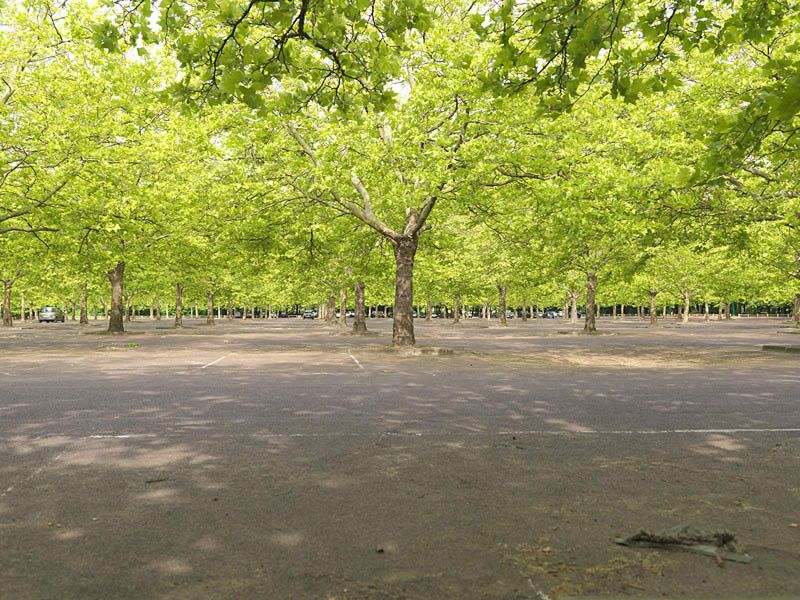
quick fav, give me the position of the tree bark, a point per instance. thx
(84, 320)
(686, 301)
(115, 277)
(457, 308)
(614, 312)
(653, 310)
(405, 249)
(22, 307)
(796, 311)
(158, 310)
(590, 324)
(706, 314)
(229, 314)
(727, 310)
(178, 305)
(8, 321)
(428, 309)
(502, 308)
(330, 310)
(360, 323)
(524, 311)
(343, 308)
(210, 308)
(573, 316)
(621, 312)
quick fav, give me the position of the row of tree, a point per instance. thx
(255, 153)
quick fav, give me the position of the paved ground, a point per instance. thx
(282, 459)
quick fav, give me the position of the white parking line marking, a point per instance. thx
(213, 362)
(355, 360)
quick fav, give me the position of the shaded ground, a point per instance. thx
(280, 459)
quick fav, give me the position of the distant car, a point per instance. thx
(309, 313)
(283, 314)
(350, 313)
(50, 314)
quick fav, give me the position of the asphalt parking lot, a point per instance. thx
(287, 459)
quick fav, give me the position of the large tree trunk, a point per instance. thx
(686, 301)
(115, 276)
(8, 321)
(343, 308)
(210, 308)
(502, 308)
(84, 320)
(360, 324)
(653, 310)
(590, 324)
(456, 308)
(796, 311)
(178, 305)
(405, 249)
(330, 310)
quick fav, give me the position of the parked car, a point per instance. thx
(50, 314)
(309, 313)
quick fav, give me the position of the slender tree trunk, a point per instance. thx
(428, 309)
(457, 309)
(653, 309)
(573, 317)
(720, 310)
(360, 323)
(126, 308)
(94, 309)
(178, 305)
(405, 250)
(614, 312)
(105, 308)
(115, 277)
(565, 315)
(597, 311)
(524, 311)
(8, 320)
(706, 314)
(590, 324)
(210, 308)
(152, 312)
(219, 312)
(343, 308)
(727, 310)
(158, 310)
(84, 320)
(22, 307)
(229, 314)
(502, 308)
(621, 312)
(686, 301)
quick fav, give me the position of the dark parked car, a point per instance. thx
(50, 314)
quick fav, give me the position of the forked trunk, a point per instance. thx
(360, 324)
(405, 249)
(8, 321)
(178, 305)
(343, 308)
(115, 277)
(590, 325)
(653, 311)
(457, 308)
(210, 308)
(502, 308)
(84, 320)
